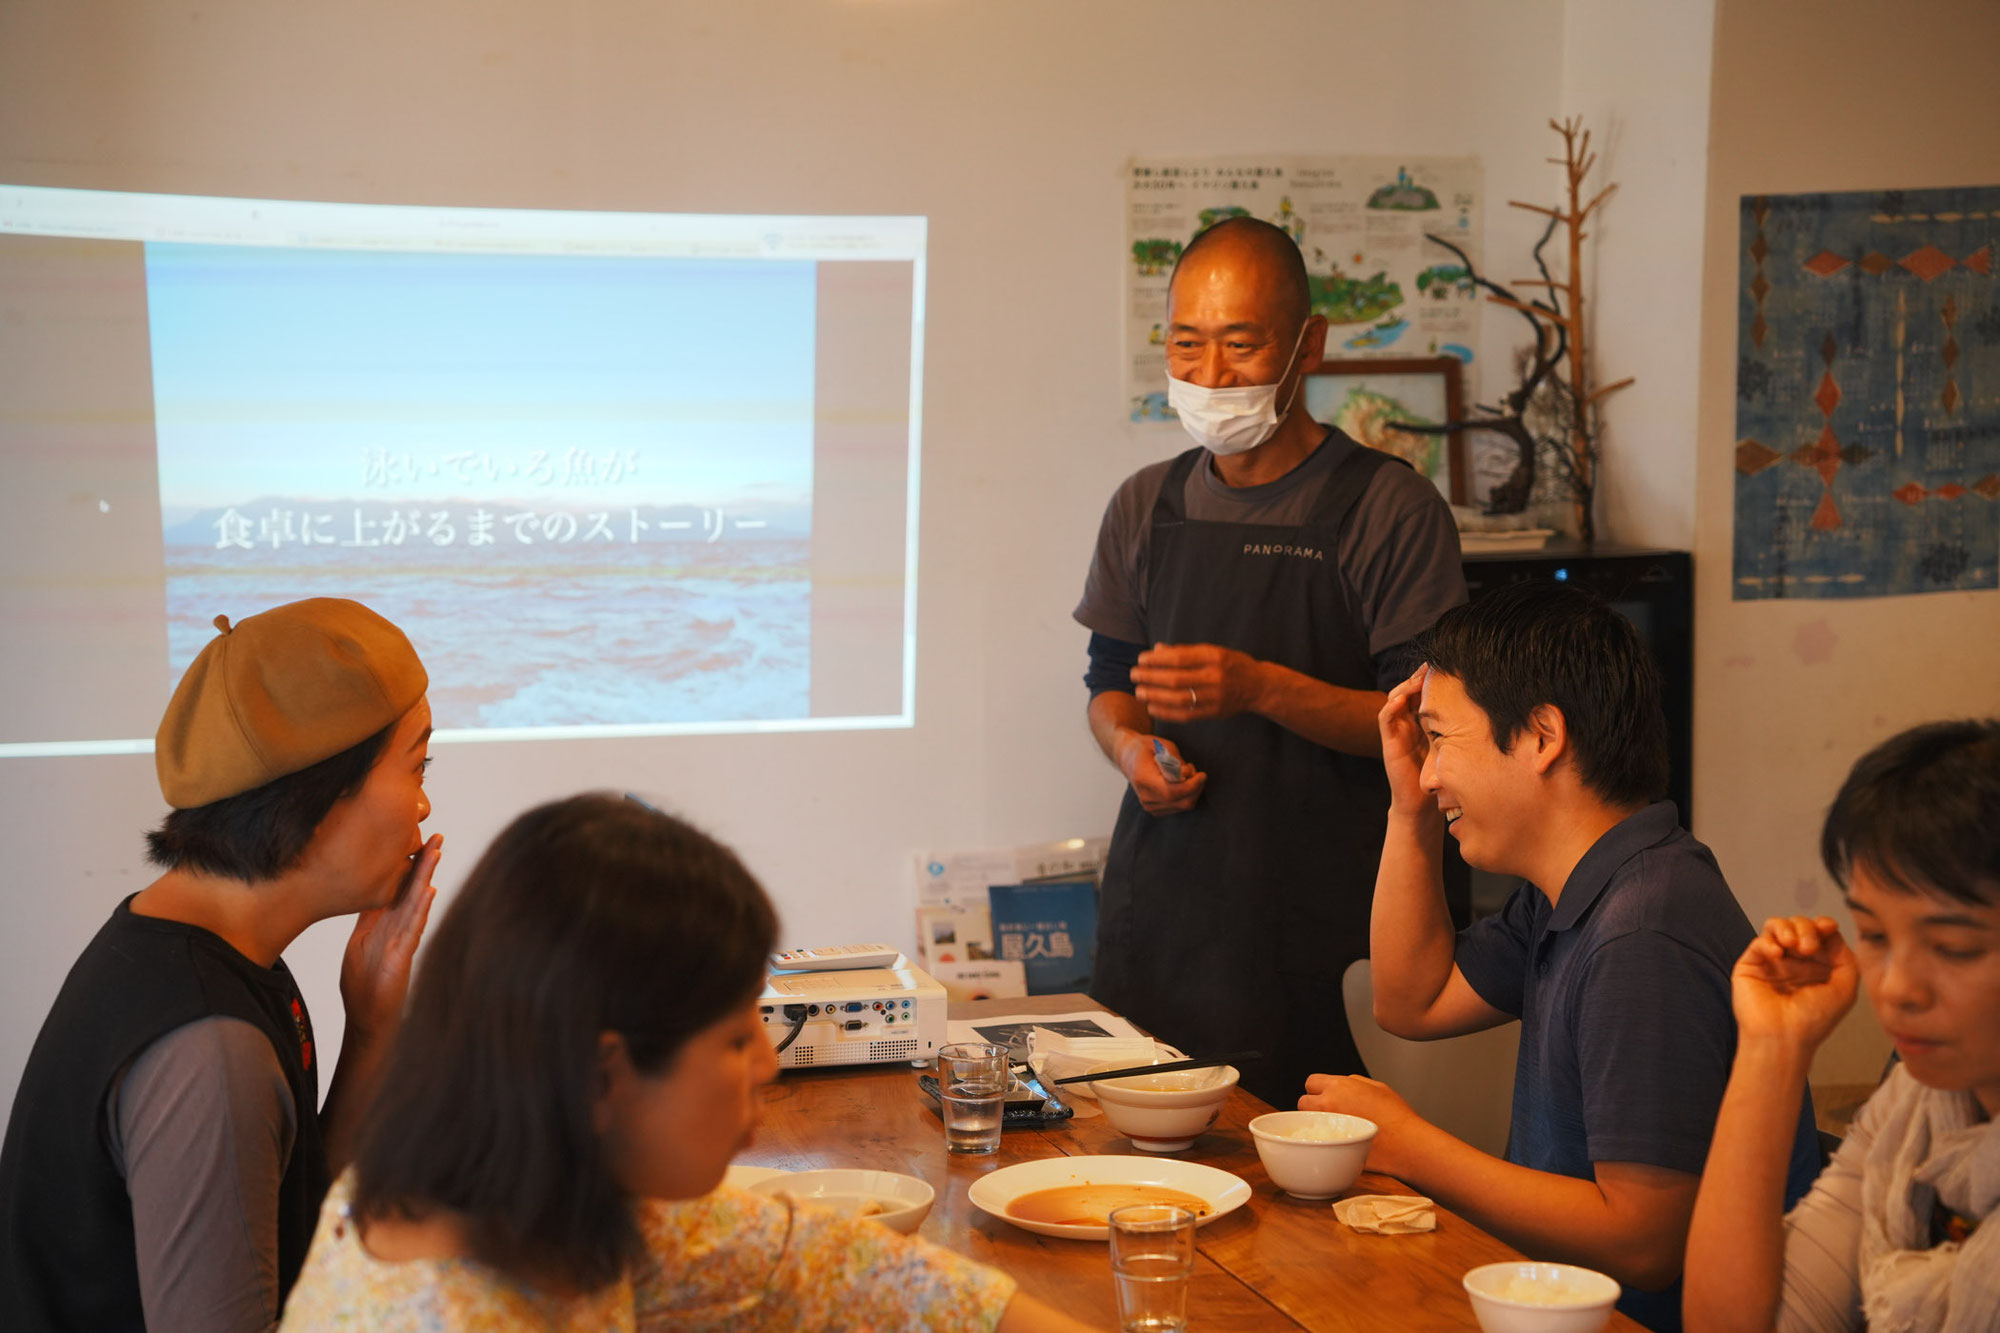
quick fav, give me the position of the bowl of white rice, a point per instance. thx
(1523, 1297)
(1312, 1154)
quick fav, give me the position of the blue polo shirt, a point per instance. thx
(1622, 989)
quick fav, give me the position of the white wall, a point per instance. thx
(1828, 95)
(1638, 75)
(1006, 124)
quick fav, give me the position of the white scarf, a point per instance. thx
(1929, 1145)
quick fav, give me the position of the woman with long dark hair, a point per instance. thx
(580, 1062)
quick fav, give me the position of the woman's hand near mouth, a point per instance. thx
(375, 970)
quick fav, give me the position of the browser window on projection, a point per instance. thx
(613, 473)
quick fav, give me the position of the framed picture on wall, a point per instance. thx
(1363, 398)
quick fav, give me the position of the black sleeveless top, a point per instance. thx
(68, 1259)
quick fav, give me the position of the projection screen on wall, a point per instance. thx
(615, 474)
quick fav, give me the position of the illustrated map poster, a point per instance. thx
(1868, 394)
(1360, 222)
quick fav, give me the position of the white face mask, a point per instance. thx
(1232, 421)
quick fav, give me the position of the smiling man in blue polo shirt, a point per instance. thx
(1534, 733)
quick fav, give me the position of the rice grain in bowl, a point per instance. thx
(1312, 1154)
(1523, 1297)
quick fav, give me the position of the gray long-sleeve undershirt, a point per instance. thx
(202, 1127)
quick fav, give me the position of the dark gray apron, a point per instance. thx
(1227, 927)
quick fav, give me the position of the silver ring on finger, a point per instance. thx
(1194, 700)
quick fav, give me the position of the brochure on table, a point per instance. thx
(1002, 1029)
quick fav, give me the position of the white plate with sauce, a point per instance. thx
(1218, 1192)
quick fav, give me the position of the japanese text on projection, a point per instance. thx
(385, 469)
(469, 525)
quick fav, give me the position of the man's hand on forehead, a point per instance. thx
(1405, 744)
(1413, 685)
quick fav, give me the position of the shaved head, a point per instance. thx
(1257, 254)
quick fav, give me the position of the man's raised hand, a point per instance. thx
(1404, 746)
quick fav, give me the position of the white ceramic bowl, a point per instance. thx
(1312, 1154)
(899, 1202)
(1165, 1112)
(1525, 1297)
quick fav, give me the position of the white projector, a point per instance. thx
(866, 1016)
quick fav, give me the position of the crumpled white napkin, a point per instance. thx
(1387, 1214)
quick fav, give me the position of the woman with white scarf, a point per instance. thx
(1899, 1233)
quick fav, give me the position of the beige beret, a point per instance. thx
(280, 692)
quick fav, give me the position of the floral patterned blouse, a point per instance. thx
(729, 1262)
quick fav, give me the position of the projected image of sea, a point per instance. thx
(583, 486)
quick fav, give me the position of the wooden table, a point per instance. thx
(1275, 1263)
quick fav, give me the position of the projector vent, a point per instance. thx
(891, 1050)
(804, 1055)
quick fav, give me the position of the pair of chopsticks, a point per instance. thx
(1167, 1068)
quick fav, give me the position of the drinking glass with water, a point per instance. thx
(1152, 1258)
(972, 1085)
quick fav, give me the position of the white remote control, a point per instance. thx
(841, 958)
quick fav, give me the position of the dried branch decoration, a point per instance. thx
(1546, 415)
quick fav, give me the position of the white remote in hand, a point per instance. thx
(840, 958)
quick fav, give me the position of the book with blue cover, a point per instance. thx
(1050, 927)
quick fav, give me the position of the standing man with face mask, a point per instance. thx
(1250, 602)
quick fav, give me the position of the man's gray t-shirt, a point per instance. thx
(1398, 552)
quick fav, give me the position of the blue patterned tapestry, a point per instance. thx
(1868, 394)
